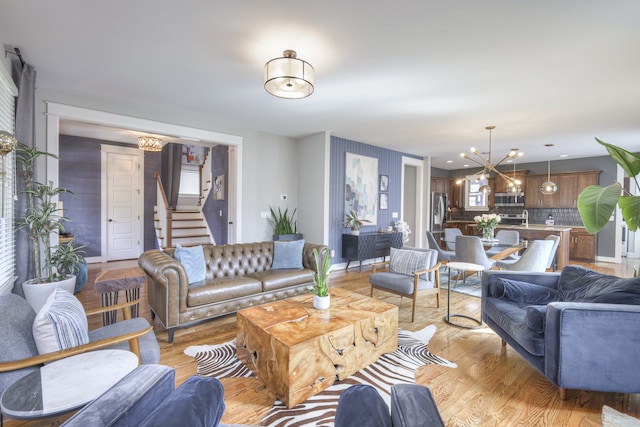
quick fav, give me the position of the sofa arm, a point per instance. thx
(593, 346)
(168, 285)
(307, 255)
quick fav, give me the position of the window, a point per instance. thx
(8, 92)
(475, 200)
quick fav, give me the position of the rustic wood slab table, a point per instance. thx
(298, 351)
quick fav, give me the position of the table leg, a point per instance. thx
(109, 317)
(132, 295)
(448, 317)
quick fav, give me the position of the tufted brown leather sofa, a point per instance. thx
(238, 276)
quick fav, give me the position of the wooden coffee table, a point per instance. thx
(298, 351)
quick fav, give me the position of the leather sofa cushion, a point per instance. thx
(215, 290)
(279, 279)
(510, 317)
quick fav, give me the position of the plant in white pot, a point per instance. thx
(320, 289)
(40, 220)
(352, 221)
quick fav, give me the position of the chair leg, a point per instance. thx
(563, 393)
(413, 310)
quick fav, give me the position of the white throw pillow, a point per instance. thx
(61, 323)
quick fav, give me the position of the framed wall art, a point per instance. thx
(384, 183)
(384, 201)
(218, 187)
(361, 187)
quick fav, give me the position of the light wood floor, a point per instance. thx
(492, 386)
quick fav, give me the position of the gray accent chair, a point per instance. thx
(505, 237)
(450, 235)
(579, 328)
(148, 397)
(424, 279)
(553, 261)
(535, 258)
(469, 249)
(443, 255)
(412, 405)
(18, 351)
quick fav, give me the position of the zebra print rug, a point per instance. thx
(220, 361)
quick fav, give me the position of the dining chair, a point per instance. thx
(450, 235)
(470, 249)
(443, 255)
(535, 258)
(505, 238)
(553, 263)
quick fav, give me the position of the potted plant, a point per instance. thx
(320, 290)
(351, 220)
(284, 226)
(40, 220)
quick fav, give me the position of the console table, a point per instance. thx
(369, 245)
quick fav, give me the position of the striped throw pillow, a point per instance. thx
(405, 262)
(60, 324)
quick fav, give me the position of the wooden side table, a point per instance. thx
(463, 267)
(110, 282)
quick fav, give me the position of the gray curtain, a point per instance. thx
(170, 168)
(25, 133)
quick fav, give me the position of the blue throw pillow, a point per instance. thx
(287, 254)
(192, 259)
(580, 284)
(535, 317)
(523, 292)
(405, 261)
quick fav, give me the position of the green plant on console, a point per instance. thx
(282, 222)
(41, 219)
(351, 220)
(596, 204)
(323, 270)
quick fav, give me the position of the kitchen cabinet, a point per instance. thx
(582, 246)
(570, 186)
(533, 198)
(456, 195)
(440, 185)
(502, 185)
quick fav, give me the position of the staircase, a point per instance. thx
(188, 228)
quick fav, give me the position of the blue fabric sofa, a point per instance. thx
(579, 328)
(147, 396)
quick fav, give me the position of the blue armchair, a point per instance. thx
(579, 328)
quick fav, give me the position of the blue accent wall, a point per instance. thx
(218, 224)
(389, 163)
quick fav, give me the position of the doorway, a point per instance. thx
(412, 199)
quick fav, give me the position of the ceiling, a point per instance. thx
(419, 76)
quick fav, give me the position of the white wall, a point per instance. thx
(313, 187)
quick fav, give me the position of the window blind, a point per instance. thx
(8, 92)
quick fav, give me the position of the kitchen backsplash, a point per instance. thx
(564, 216)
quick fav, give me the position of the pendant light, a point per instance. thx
(149, 143)
(513, 186)
(549, 187)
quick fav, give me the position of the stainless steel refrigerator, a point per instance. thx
(439, 211)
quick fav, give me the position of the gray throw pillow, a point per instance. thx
(287, 255)
(522, 292)
(535, 317)
(405, 262)
(192, 259)
(580, 284)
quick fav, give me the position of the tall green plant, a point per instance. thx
(41, 219)
(323, 271)
(596, 204)
(282, 222)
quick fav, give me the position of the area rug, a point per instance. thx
(220, 361)
(471, 285)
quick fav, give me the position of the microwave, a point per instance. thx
(508, 199)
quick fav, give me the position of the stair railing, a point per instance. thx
(164, 215)
(205, 178)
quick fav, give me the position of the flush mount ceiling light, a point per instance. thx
(549, 187)
(487, 166)
(288, 77)
(149, 143)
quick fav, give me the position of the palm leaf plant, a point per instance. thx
(323, 270)
(596, 204)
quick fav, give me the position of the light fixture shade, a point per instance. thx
(288, 77)
(548, 188)
(485, 189)
(149, 143)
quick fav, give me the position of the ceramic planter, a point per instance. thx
(321, 303)
(36, 294)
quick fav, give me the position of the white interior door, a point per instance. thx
(124, 204)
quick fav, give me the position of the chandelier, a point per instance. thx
(288, 76)
(484, 160)
(149, 143)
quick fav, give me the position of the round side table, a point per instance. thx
(461, 267)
